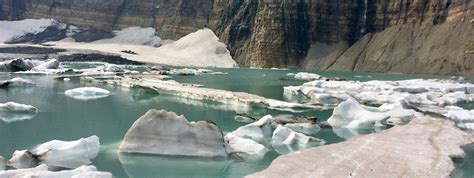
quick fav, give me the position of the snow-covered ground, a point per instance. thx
(133, 35)
(10, 30)
(200, 49)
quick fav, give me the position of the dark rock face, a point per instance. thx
(316, 34)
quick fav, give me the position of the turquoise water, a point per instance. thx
(64, 118)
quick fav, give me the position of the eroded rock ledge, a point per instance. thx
(422, 148)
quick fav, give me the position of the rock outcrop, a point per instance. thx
(352, 35)
(422, 148)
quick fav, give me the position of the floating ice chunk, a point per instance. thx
(244, 118)
(87, 93)
(22, 159)
(24, 173)
(21, 64)
(306, 128)
(11, 112)
(353, 115)
(3, 163)
(16, 82)
(454, 98)
(83, 171)
(205, 71)
(460, 115)
(68, 154)
(50, 64)
(165, 133)
(284, 137)
(290, 74)
(258, 130)
(246, 148)
(113, 68)
(307, 76)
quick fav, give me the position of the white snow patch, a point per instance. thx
(133, 35)
(13, 29)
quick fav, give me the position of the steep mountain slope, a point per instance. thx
(410, 36)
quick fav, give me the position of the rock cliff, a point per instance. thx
(411, 36)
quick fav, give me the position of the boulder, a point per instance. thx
(165, 133)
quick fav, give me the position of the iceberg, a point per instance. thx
(306, 128)
(41, 171)
(353, 115)
(58, 153)
(17, 82)
(68, 154)
(24, 173)
(307, 76)
(3, 163)
(12, 112)
(165, 133)
(285, 140)
(87, 93)
(50, 64)
(258, 131)
(246, 148)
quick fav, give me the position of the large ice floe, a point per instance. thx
(165, 133)
(12, 112)
(395, 99)
(238, 99)
(422, 148)
(65, 154)
(41, 171)
(87, 93)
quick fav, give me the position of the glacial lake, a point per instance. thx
(64, 118)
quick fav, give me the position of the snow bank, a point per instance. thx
(87, 93)
(10, 30)
(199, 49)
(133, 35)
(12, 112)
